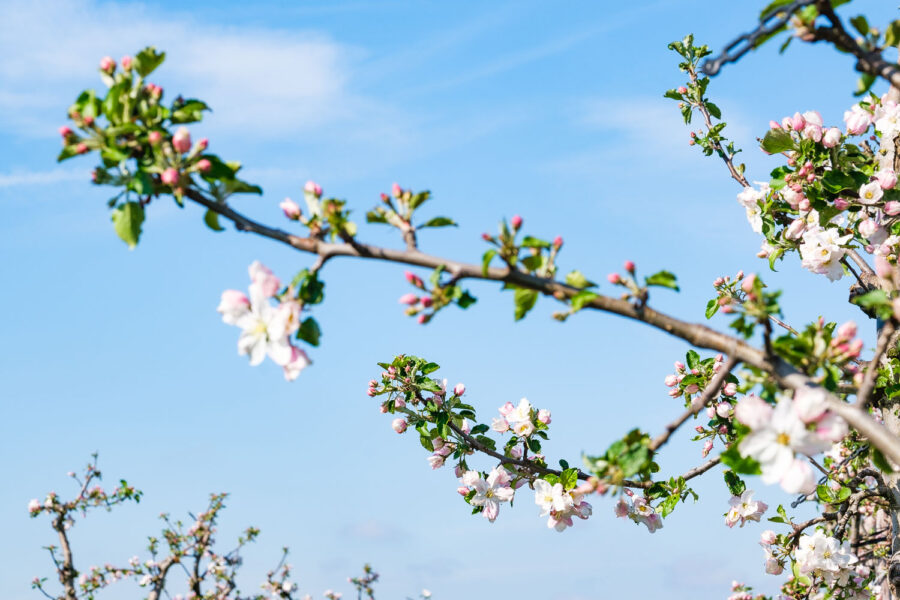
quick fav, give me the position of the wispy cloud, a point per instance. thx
(642, 127)
(20, 178)
(273, 81)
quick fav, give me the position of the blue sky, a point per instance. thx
(501, 108)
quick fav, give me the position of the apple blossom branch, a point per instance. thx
(696, 334)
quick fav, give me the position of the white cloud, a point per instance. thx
(18, 178)
(640, 127)
(273, 81)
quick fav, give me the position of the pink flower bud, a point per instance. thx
(313, 188)
(203, 144)
(831, 138)
(181, 141)
(203, 165)
(126, 62)
(629, 266)
(767, 537)
(371, 392)
(65, 131)
(170, 176)
(399, 403)
(516, 222)
(459, 389)
(798, 122)
(698, 429)
(89, 120)
(887, 179)
(544, 416)
(462, 490)
(427, 301)
(707, 447)
(507, 408)
(671, 380)
(291, 209)
(679, 366)
(107, 64)
(81, 148)
(682, 89)
(847, 331)
(883, 267)
(422, 319)
(718, 281)
(730, 389)
(558, 242)
(841, 204)
(613, 278)
(711, 412)
(723, 409)
(399, 425)
(748, 283)
(692, 389)
(774, 125)
(486, 237)
(396, 190)
(892, 207)
(154, 137)
(409, 299)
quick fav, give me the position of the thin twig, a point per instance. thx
(868, 382)
(711, 391)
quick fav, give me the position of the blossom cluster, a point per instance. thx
(833, 192)
(266, 329)
(744, 508)
(445, 426)
(639, 510)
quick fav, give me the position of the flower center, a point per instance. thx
(783, 439)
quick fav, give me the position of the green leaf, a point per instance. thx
(439, 222)
(740, 464)
(777, 141)
(864, 84)
(147, 60)
(875, 301)
(879, 460)
(662, 279)
(892, 33)
(141, 183)
(712, 307)
(67, 152)
(692, 359)
(480, 428)
(486, 260)
(524, 300)
(577, 279)
(309, 331)
(212, 221)
(533, 242)
(673, 94)
(735, 484)
(127, 219)
(714, 110)
(860, 24)
(188, 112)
(583, 298)
(835, 181)
(568, 478)
(466, 300)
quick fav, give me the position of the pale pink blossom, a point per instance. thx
(234, 305)
(291, 209)
(831, 137)
(399, 425)
(298, 361)
(181, 141)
